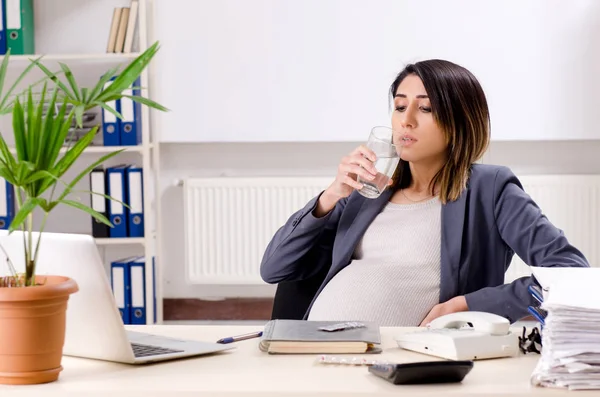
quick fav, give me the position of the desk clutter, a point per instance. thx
(570, 356)
(127, 281)
(123, 183)
(284, 336)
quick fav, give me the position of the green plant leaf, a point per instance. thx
(10, 99)
(48, 134)
(28, 206)
(36, 176)
(100, 85)
(73, 153)
(4, 68)
(19, 130)
(85, 208)
(6, 99)
(37, 130)
(6, 173)
(106, 196)
(108, 108)
(56, 80)
(29, 130)
(7, 156)
(33, 119)
(86, 171)
(79, 109)
(22, 172)
(148, 102)
(84, 94)
(58, 134)
(126, 78)
(70, 80)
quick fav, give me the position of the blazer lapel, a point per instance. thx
(453, 219)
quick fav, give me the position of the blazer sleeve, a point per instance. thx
(301, 247)
(530, 235)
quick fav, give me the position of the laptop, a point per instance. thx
(94, 326)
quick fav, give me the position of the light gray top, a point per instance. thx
(394, 276)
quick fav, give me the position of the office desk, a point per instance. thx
(246, 371)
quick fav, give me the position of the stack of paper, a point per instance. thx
(570, 355)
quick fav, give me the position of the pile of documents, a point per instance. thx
(570, 356)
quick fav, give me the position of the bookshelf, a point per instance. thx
(76, 33)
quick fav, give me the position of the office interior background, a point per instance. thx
(275, 92)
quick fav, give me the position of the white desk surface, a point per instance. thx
(246, 371)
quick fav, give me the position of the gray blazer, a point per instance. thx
(481, 231)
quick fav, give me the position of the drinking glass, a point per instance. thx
(388, 155)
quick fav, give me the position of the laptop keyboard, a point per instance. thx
(140, 350)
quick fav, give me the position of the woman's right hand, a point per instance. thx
(360, 162)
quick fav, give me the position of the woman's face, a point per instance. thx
(415, 130)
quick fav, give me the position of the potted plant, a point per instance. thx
(33, 308)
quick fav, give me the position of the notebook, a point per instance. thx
(301, 336)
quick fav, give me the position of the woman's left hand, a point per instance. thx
(456, 304)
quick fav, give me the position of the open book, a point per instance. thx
(300, 336)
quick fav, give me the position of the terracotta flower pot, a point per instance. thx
(32, 330)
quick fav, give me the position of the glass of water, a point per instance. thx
(388, 155)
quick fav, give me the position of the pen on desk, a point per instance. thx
(237, 338)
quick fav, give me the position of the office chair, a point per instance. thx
(292, 298)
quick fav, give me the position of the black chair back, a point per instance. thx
(292, 298)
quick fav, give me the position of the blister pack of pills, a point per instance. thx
(342, 326)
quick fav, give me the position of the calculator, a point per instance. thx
(452, 371)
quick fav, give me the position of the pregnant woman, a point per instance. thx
(440, 238)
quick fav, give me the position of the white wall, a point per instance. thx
(314, 70)
(253, 159)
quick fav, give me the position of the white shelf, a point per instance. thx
(120, 240)
(110, 149)
(104, 149)
(100, 57)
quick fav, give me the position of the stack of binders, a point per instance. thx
(570, 356)
(17, 27)
(128, 130)
(7, 203)
(128, 283)
(123, 183)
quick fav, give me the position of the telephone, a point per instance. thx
(463, 336)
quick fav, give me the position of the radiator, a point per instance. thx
(230, 221)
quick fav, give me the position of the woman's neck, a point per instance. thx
(422, 175)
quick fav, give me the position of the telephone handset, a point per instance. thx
(463, 336)
(488, 323)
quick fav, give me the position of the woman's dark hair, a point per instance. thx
(460, 109)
